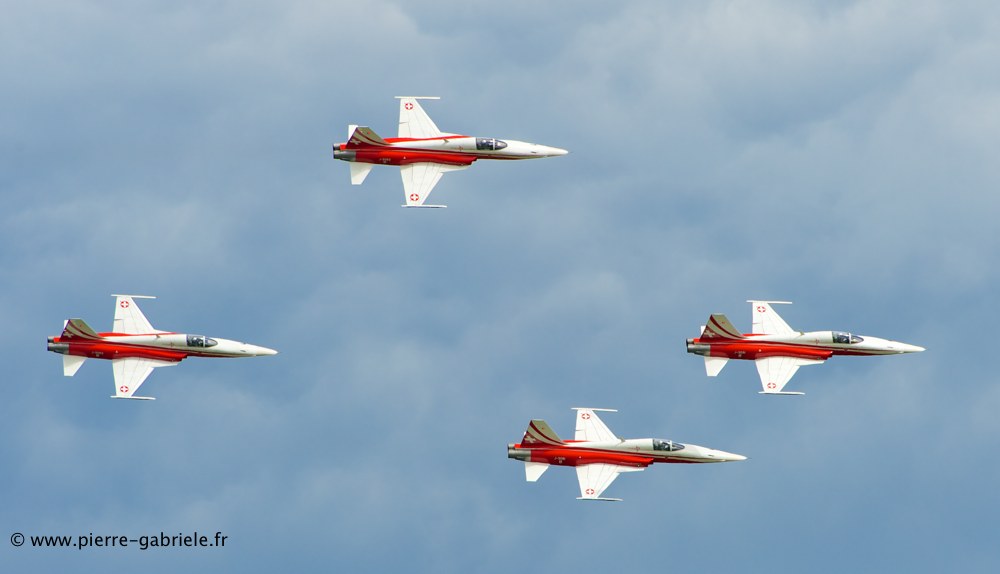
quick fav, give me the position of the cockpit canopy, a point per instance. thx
(490, 143)
(846, 338)
(200, 341)
(666, 445)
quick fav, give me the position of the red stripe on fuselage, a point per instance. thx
(754, 349)
(108, 350)
(105, 349)
(567, 456)
(406, 156)
(397, 153)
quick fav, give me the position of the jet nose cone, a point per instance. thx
(724, 456)
(539, 150)
(260, 351)
(554, 151)
(904, 348)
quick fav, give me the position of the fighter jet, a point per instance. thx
(779, 350)
(598, 455)
(423, 152)
(135, 348)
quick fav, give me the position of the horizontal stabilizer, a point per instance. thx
(359, 171)
(534, 470)
(714, 364)
(779, 393)
(134, 398)
(429, 206)
(603, 499)
(72, 364)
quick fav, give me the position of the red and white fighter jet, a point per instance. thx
(423, 152)
(598, 455)
(135, 348)
(779, 350)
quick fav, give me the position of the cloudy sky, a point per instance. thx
(839, 155)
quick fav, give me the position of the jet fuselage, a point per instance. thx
(630, 452)
(171, 347)
(455, 150)
(818, 345)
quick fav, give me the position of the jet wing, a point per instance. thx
(414, 121)
(775, 372)
(131, 373)
(595, 478)
(766, 321)
(420, 178)
(591, 428)
(128, 318)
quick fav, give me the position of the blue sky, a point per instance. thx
(838, 155)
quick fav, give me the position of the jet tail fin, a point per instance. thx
(78, 329)
(364, 136)
(719, 327)
(539, 433)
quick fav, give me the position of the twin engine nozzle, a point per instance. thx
(698, 348)
(518, 453)
(344, 154)
(61, 348)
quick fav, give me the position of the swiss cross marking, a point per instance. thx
(585, 416)
(771, 385)
(124, 304)
(761, 308)
(123, 388)
(414, 197)
(408, 105)
(590, 492)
